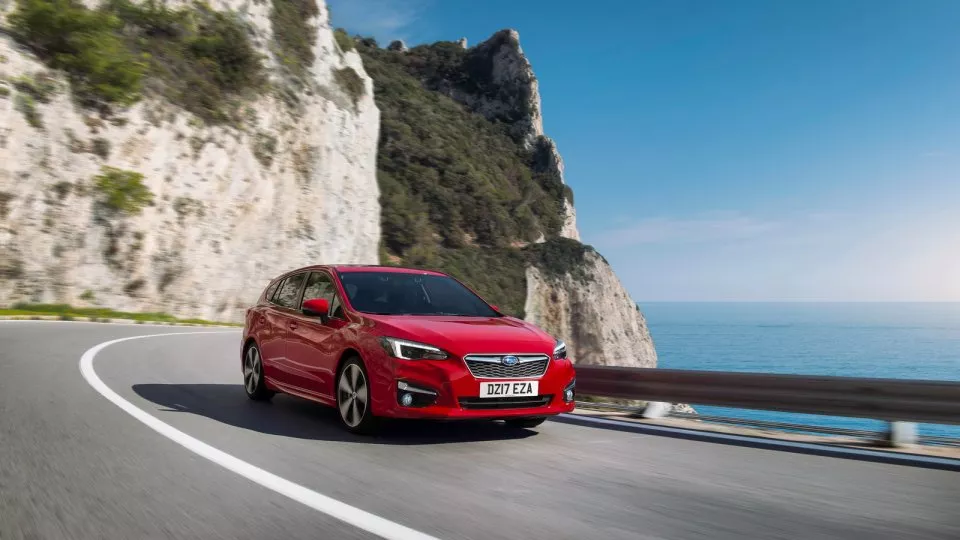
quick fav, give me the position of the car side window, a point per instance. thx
(271, 289)
(276, 292)
(318, 286)
(287, 294)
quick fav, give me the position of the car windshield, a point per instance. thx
(393, 293)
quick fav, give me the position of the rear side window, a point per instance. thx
(272, 288)
(287, 295)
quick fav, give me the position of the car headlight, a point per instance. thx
(559, 350)
(411, 350)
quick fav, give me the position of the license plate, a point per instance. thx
(509, 388)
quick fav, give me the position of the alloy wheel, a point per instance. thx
(352, 395)
(252, 368)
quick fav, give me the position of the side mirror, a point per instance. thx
(317, 307)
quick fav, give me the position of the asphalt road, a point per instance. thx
(75, 465)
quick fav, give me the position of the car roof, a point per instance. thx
(348, 268)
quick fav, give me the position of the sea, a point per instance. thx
(887, 340)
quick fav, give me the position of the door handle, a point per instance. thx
(293, 325)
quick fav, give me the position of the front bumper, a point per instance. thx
(457, 391)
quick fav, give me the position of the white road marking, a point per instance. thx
(361, 519)
(112, 323)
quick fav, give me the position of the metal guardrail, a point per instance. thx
(862, 434)
(894, 400)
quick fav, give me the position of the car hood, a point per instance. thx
(466, 335)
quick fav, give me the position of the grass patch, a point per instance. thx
(122, 191)
(97, 314)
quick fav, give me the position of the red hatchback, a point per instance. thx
(384, 342)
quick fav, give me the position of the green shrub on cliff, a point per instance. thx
(344, 41)
(122, 191)
(194, 56)
(349, 80)
(85, 43)
(294, 32)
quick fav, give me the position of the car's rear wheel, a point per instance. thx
(253, 383)
(524, 423)
(353, 398)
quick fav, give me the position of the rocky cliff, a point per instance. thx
(162, 205)
(463, 130)
(592, 313)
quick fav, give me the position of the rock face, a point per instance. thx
(593, 314)
(232, 206)
(503, 88)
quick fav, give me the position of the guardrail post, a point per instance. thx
(901, 434)
(656, 409)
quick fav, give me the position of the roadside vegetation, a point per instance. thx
(196, 57)
(460, 193)
(67, 312)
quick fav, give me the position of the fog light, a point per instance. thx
(406, 399)
(568, 395)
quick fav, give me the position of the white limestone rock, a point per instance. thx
(232, 207)
(595, 317)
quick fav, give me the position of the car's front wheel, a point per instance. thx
(253, 383)
(524, 423)
(353, 397)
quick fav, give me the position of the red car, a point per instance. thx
(384, 342)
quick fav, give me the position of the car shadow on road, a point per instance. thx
(289, 416)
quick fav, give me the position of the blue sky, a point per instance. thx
(741, 150)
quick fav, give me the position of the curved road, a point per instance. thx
(75, 465)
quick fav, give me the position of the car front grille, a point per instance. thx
(527, 402)
(489, 366)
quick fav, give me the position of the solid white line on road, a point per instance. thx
(113, 323)
(361, 519)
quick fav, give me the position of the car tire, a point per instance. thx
(253, 383)
(524, 423)
(354, 399)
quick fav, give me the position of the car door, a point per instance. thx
(269, 336)
(281, 319)
(313, 343)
